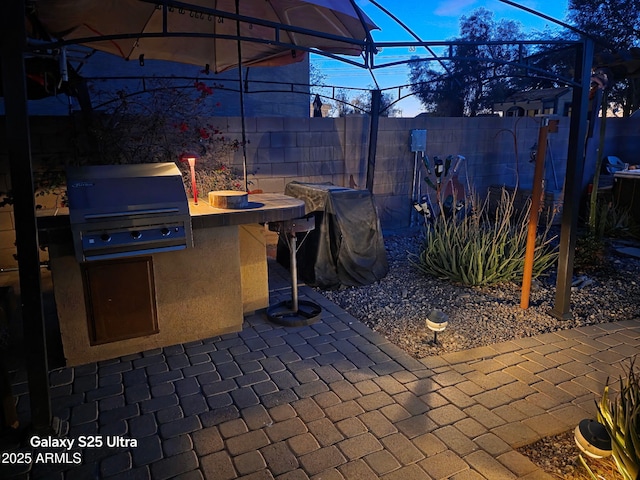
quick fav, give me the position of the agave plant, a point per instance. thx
(621, 417)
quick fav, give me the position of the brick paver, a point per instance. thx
(359, 446)
(322, 459)
(402, 449)
(455, 440)
(382, 462)
(334, 401)
(444, 465)
(280, 458)
(218, 466)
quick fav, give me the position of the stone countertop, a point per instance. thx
(262, 208)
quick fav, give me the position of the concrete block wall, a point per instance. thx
(622, 139)
(282, 149)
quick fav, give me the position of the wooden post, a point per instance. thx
(547, 126)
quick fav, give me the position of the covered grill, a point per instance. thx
(126, 210)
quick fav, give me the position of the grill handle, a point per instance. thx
(150, 211)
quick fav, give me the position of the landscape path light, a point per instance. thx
(592, 439)
(437, 321)
(191, 160)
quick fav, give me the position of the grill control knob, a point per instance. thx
(136, 234)
(165, 231)
(105, 237)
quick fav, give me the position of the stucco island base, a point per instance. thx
(200, 292)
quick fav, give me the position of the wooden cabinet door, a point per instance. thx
(120, 299)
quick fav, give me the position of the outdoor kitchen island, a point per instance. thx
(121, 306)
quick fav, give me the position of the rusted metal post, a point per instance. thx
(547, 126)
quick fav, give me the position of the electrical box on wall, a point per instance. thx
(418, 140)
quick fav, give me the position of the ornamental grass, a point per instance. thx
(484, 246)
(620, 416)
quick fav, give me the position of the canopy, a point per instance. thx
(205, 32)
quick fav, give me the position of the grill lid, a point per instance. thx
(125, 210)
(99, 192)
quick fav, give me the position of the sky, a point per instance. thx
(432, 21)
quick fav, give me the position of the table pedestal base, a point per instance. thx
(294, 312)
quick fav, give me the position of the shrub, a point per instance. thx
(484, 247)
(161, 123)
(589, 252)
(615, 221)
(621, 418)
(611, 221)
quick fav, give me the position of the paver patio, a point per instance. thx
(333, 400)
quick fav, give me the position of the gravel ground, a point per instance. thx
(398, 305)
(558, 456)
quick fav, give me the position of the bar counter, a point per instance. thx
(163, 299)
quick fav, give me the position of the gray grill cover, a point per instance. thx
(347, 247)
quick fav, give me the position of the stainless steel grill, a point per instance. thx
(126, 210)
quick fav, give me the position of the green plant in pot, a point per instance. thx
(620, 415)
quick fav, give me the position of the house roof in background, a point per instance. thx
(541, 94)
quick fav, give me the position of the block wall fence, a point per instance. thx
(281, 150)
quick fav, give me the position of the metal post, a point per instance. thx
(376, 96)
(573, 180)
(293, 266)
(537, 191)
(12, 45)
(593, 201)
(242, 113)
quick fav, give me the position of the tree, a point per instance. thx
(616, 26)
(317, 80)
(316, 77)
(343, 105)
(438, 91)
(363, 101)
(556, 60)
(361, 104)
(464, 83)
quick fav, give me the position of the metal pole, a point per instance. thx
(537, 191)
(243, 125)
(294, 271)
(12, 45)
(376, 96)
(415, 191)
(573, 180)
(593, 201)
